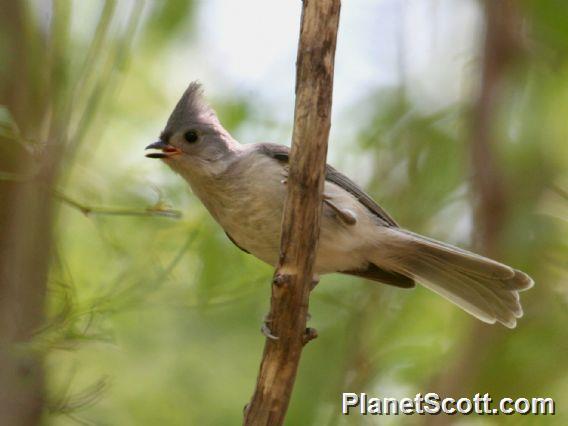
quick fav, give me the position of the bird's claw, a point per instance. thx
(280, 279)
(309, 334)
(266, 331)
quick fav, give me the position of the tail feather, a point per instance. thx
(469, 261)
(486, 289)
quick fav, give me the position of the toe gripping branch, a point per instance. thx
(310, 333)
(265, 329)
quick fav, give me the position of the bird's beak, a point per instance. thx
(167, 150)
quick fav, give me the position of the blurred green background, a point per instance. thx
(452, 114)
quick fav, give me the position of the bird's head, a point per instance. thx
(193, 140)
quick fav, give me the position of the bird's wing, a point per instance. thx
(282, 154)
(370, 271)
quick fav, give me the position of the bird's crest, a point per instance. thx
(191, 108)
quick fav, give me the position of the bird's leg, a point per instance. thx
(265, 329)
(311, 333)
(315, 281)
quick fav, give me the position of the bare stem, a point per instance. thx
(301, 219)
(117, 211)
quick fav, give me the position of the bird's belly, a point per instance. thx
(256, 226)
(251, 213)
(341, 247)
(254, 223)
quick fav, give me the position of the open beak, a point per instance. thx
(167, 151)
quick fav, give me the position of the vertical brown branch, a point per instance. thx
(24, 237)
(501, 47)
(302, 211)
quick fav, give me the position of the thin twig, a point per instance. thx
(87, 210)
(559, 191)
(301, 219)
(117, 211)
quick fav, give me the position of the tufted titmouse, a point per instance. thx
(244, 188)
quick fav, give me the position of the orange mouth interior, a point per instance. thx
(166, 152)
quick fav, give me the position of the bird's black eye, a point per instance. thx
(191, 136)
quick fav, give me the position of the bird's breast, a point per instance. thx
(249, 208)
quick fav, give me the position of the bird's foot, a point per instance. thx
(309, 334)
(280, 279)
(265, 329)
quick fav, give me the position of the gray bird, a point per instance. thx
(244, 188)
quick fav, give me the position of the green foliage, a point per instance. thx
(168, 18)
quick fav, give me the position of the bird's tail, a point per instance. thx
(486, 289)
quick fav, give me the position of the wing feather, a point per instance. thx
(370, 271)
(282, 154)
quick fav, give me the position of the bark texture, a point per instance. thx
(301, 220)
